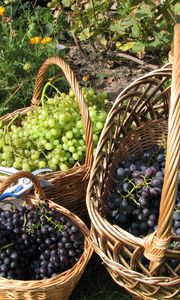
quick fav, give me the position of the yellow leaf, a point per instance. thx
(102, 40)
(125, 47)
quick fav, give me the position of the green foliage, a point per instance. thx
(20, 59)
(177, 9)
(136, 26)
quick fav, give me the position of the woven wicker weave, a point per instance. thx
(69, 188)
(59, 287)
(138, 119)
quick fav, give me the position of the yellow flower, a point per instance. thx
(45, 40)
(35, 40)
(2, 10)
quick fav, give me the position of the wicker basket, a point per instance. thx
(59, 287)
(138, 119)
(69, 188)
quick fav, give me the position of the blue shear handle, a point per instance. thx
(6, 195)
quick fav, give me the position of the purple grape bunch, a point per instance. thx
(134, 201)
(37, 242)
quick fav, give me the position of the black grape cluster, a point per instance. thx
(134, 202)
(37, 242)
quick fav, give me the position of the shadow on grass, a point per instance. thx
(97, 284)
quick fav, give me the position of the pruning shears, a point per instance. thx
(23, 185)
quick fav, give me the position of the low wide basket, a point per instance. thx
(61, 286)
(68, 188)
(144, 113)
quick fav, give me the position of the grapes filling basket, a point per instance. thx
(68, 187)
(58, 286)
(145, 114)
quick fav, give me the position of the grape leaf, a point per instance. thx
(117, 27)
(135, 30)
(48, 29)
(102, 40)
(138, 47)
(177, 9)
(67, 3)
(144, 11)
(85, 34)
(125, 47)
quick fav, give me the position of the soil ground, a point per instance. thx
(108, 71)
(97, 284)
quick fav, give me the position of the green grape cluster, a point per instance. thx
(52, 135)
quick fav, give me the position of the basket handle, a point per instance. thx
(156, 244)
(14, 177)
(78, 94)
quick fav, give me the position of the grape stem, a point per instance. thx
(132, 198)
(146, 183)
(60, 227)
(13, 119)
(30, 229)
(55, 88)
(6, 128)
(6, 246)
(25, 219)
(135, 187)
(44, 154)
(43, 93)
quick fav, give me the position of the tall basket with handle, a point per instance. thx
(144, 113)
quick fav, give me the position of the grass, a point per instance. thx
(97, 284)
